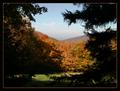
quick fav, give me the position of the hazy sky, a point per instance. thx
(52, 22)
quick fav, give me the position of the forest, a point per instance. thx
(34, 59)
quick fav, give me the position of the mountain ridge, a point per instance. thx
(78, 38)
(73, 39)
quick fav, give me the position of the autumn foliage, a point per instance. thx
(27, 51)
(76, 56)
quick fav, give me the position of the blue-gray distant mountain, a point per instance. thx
(43, 36)
(76, 39)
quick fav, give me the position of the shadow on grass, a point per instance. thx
(56, 80)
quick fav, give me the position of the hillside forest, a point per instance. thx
(34, 59)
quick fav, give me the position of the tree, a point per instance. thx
(99, 44)
(14, 13)
(82, 55)
(92, 15)
(22, 50)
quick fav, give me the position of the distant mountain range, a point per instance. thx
(75, 39)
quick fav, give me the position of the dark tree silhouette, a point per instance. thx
(99, 44)
(92, 14)
(14, 13)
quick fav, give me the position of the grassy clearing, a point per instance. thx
(40, 77)
(43, 77)
(42, 80)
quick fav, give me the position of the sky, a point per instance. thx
(52, 22)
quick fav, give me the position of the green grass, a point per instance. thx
(42, 80)
(40, 77)
(43, 77)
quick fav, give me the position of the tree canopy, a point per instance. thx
(14, 13)
(92, 14)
